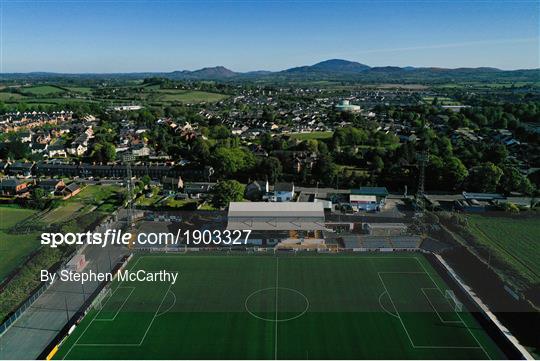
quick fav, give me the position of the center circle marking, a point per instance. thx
(274, 319)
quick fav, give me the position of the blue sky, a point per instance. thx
(243, 35)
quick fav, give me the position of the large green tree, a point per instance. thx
(454, 173)
(228, 161)
(513, 181)
(227, 191)
(270, 168)
(484, 178)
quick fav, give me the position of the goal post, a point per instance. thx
(453, 300)
(100, 299)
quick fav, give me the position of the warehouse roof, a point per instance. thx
(371, 191)
(276, 216)
(483, 196)
(386, 225)
(362, 198)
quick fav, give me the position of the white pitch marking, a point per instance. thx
(277, 290)
(119, 309)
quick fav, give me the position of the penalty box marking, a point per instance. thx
(119, 308)
(76, 343)
(403, 323)
(128, 344)
(466, 326)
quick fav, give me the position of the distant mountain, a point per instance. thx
(329, 66)
(331, 70)
(388, 69)
(217, 72)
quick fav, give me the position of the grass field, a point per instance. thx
(513, 240)
(374, 306)
(6, 96)
(441, 100)
(312, 135)
(80, 89)
(42, 90)
(62, 213)
(14, 247)
(189, 96)
(95, 194)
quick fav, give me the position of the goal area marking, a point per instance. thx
(407, 331)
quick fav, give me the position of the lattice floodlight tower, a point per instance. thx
(422, 159)
(127, 159)
(419, 223)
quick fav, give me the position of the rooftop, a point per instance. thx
(371, 191)
(276, 216)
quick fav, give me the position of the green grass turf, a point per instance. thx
(375, 306)
(80, 89)
(6, 96)
(312, 135)
(42, 90)
(94, 194)
(513, 240)
(189, 96)
(14, 247)
(62, 213)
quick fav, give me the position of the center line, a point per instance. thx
(277, 284)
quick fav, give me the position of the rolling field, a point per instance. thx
(80, 89)
(42, 90)
(6, 96)
(188, 96)
(280, 307)
(14, 247)
(515, 241)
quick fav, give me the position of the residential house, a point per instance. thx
(197, 189)
(38, 148)
(70, 190)
(57, 169)
(303, 160)
(57, 150)
(25, 137)
(256, 190)
(51, 185)
(21, 169)
(140, 150)
(172, 184)
(15, 187)
(77, 149)
(282, 192)
(4, 165)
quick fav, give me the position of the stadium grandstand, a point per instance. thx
(274, 222)
(366, 242)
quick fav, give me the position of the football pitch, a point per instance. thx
(286, 306)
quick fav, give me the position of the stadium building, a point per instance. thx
(368, 198)
(291, 224)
